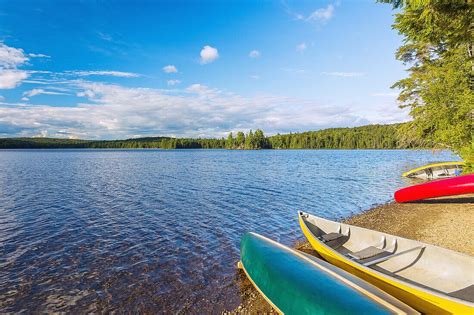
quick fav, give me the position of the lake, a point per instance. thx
(156, 230)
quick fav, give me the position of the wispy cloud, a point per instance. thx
(38, 56)
(105, 73)
(170, 69)
(301, 47)
(173, 82)
(320, 16)
(35, 92)
(105, 36)
(254, 54)
(208, 54)
(344, 74)
(255, 76)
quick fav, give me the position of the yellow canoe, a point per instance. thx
(435, 170)
(431, 279)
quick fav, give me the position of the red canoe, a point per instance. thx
(445, 187)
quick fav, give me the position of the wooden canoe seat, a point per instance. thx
(331, 237)
(334, 239)
(368, 252)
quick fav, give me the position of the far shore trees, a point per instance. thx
(365, 137)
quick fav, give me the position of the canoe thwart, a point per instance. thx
(382, 259)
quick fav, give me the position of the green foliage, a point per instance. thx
(229, 144)
(438, 46)
(138, 143)
(251, 141)
(365, 137)
(240, 140)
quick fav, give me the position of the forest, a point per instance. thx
(365, 137)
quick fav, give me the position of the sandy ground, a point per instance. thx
(446, 222)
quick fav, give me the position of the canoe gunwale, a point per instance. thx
(401, 284)
(410, 172)
(259, 290)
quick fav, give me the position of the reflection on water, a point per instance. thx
(151, 230)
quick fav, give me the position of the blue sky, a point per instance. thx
(119, 69)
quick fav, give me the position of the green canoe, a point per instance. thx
(296, 283)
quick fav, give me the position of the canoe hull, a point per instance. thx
(296, 283)
(437, 170)
(422, 300)
(445, 187)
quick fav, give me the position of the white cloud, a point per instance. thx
(344, 74)
(209, 54)
(173, 82)
(35, 92)
(10, 79)
(255, 76)
(321, 15)
(39, 56)
(10, 57)
(254, 54)
(170, 69)
(198, 89)
(113, 111)
(105, 73)
(301, 47)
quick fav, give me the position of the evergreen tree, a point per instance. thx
(249, 140)
(259, 140)
(438, 45)
(240, 140)
(230, 142)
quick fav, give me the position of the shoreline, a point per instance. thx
(443, 222)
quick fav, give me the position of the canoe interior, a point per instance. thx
(427, 266)
(436, 170)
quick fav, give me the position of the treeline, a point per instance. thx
(365, 137)
(249, 141)
(139, 143)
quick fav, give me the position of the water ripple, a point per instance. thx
(159, 231)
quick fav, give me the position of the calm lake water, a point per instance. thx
(154, 230)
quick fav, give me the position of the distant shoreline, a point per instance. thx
(364, 137)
